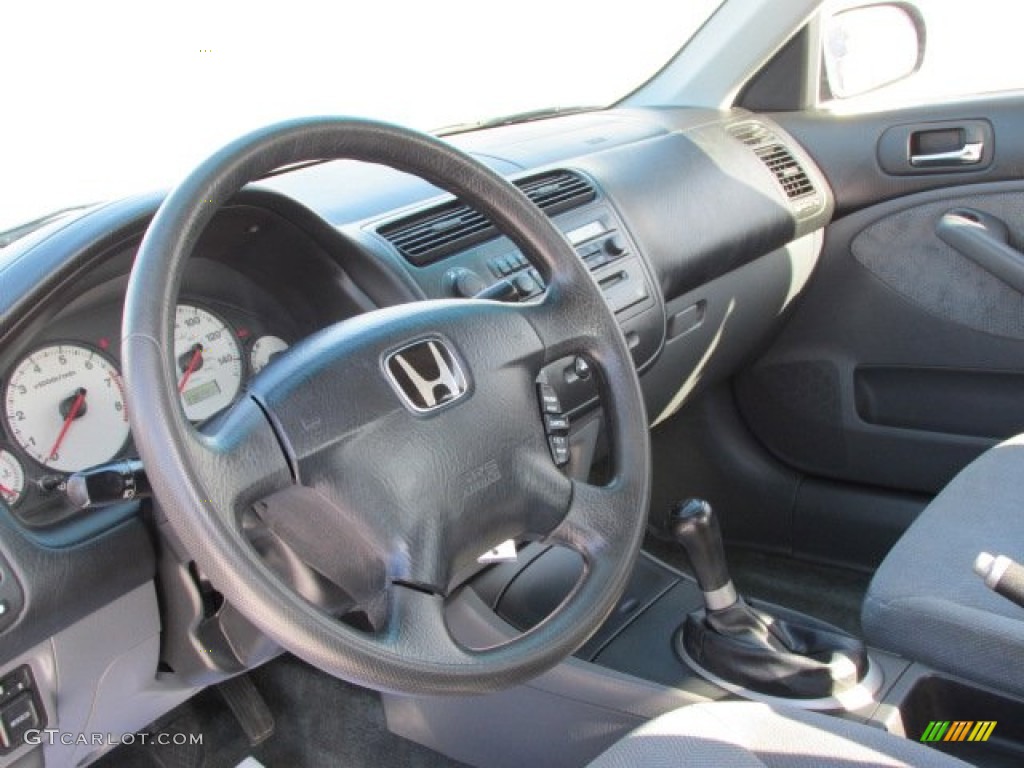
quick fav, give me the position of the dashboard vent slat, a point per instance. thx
(428, 236)
(751, 134)
(779, 159)
(558, 191)
(793, 178)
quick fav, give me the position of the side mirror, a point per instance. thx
(871, 46)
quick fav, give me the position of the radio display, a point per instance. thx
(587, 231)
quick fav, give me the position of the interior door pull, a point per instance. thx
(969, 154)
(964, 145)
(985, 240)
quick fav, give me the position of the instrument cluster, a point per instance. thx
(263, 275)
(64, 406)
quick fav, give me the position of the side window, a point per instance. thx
(918, 51)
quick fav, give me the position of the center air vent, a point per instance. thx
(557, 191)
(430, 235)
(779, 160)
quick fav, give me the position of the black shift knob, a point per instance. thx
(695, 527)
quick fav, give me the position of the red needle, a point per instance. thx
(5, 489)
(72, 413)
(194, 361)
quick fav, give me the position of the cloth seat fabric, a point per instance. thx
(749, 735)
(926, 603)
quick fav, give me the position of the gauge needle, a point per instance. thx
(76, 406)
(5, 489)
(193, 363)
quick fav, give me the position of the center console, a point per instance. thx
(633, 669)
(701, 636)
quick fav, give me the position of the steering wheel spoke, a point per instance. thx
(336, 547)
(238, 460)
(417, 629)
(593, 520)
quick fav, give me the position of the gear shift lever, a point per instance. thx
(695, 527)
(780, 653)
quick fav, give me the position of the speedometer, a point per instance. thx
(208, 360)
(65, 406)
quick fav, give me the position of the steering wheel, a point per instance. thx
(391, 449)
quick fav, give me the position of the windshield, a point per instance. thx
(109, 98)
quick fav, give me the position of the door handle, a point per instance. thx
(985, 240)
(969, 154)
(966, 145)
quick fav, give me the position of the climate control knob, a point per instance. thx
(614, 246)
(465, 282)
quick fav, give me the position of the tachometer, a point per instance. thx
(65, 406)
(12, 478)
(208, 361)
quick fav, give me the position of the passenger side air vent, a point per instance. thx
(751, 134)
(428, 236)
(778, 158)
(787, 170)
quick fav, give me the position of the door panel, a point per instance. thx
(853, 150)
(905, 359)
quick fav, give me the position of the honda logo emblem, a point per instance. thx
(426, 375)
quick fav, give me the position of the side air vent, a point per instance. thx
(751, 134)
(779, 160)
(428, 236)
(787, 170)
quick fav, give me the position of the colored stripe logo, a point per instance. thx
(958, 730)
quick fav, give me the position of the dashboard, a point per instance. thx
(260, 280)
(699, 227)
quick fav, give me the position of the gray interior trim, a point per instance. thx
(727, 318)
(569, 714)
(701, 76)
(904, 251)
(800, 397)
(105, 676)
